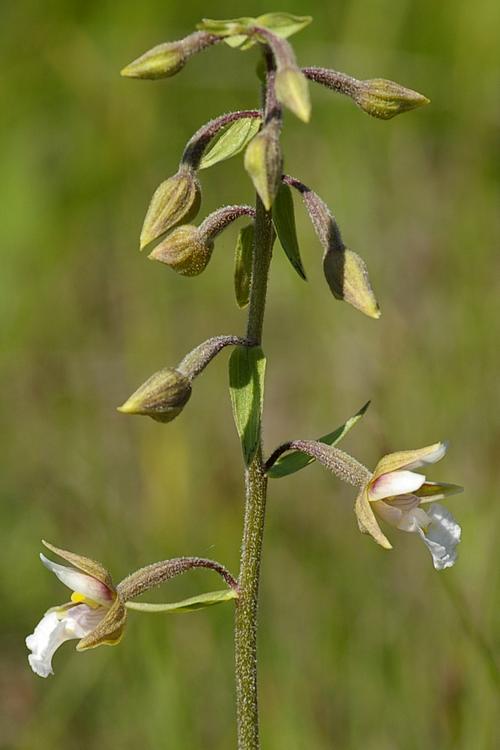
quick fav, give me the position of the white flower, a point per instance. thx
(396, 493)
(95, 615)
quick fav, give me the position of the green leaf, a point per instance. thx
(230, 141)
(284, 222)
(186, 605)
(296, 460)
(243, 265)
(283, 24)
(247, 366)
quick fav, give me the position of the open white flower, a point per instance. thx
(95, 615)
(396, 493)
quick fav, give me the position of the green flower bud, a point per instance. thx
(185, 250)
(166, 60)
(161, 61)
(175, 201)
(264, 162)
(347, 277)
(386, 99)
(293, 92)
(162, 397)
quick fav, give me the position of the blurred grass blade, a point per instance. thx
(187, 605)
(243, 265)
(247, 366)
(284, 222)
(230, 141)
(295, 460)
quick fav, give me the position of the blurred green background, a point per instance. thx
(358, 647)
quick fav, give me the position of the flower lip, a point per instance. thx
(57, 626)
(80, 583)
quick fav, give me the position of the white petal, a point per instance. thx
(441, 537)
(414, 520)
(405, 519)
(387, 512)
(395, 483)
(54, 629)
(81, 582)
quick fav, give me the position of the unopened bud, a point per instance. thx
(293, 92)
(166, 60)
(385, 99)
(188, 249)
(347, 277)
(162, 397)
(344, 270)
(264, 162)
(162, 61)
(185, 250)
(175, 201)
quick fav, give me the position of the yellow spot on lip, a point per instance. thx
(82, 599)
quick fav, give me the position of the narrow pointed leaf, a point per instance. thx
(296, 460)
(230, 141)
(243, 265)
(187, 605)
(284, 222)
(247, 367)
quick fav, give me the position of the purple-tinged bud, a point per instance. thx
(167, 59)
(345, 272)
(175, 201)
(162, 397)
(264, 162)
(188, 249)
(185, 250)
(386, 99)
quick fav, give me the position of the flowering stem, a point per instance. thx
(255, 506)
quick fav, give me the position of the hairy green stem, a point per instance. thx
(255, 508)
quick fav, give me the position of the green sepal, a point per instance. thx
(296, 460)
(283, 24)
(243, 265)
(247, 366)
(230, 141)
(284, 223)
(232, 30)
(187, 605)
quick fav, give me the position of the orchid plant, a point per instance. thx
(394, 493)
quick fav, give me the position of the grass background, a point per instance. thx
(358, 647)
